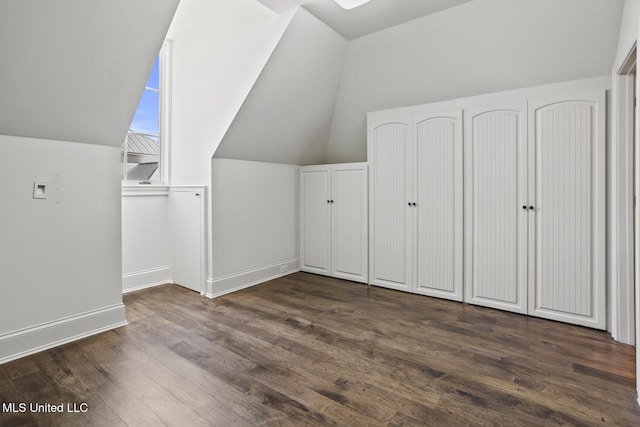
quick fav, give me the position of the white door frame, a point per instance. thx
(622, 256)
(622, 244)
(625, 241)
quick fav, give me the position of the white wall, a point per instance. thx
(479, 47)
(254, 220)
(60, 257)
(287, 116)
(628, 29)
(219, 49)
(147, 247)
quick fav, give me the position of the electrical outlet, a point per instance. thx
(283, 268)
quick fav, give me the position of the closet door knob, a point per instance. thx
(409, 203)
(524, 207)
(531, 208)
(415, 204)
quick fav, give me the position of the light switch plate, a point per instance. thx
(40, 189)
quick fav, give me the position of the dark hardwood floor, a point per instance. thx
(306, 349)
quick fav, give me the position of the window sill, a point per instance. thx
(144, 190)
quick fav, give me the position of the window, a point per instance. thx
(142, 148)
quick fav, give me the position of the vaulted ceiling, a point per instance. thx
(306, 91)
(287, 116)
(368, 18)
(75, 70)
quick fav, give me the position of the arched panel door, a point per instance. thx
(567, 272)
(389, 154)
(497, 208)
(438, 210)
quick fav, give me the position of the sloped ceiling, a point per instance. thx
(286, 118)
(482, 46)
(74, 70)
(368, 18)
(218, 50)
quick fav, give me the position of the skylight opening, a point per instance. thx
(351, 4)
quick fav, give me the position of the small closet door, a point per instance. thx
(567, 267)
(349, 243)
(437, 236)
(315, 219)
(390, 210)
(497, 207)
(188, 218)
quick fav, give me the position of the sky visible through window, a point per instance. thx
(146, 119)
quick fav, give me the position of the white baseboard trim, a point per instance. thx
(146, 278)
(219, 286)
(43, 337)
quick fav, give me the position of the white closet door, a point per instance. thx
(497, 207)
(438, 210)
(315, 219)
(568, 134)
(349, 222)
(187, 211)
(390, 214)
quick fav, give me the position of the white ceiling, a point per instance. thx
(75, 70)
(368, 18)
(286, 118)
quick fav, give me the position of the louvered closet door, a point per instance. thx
(390, 216)
(349, 222)
(568, 136)
(438, 210)
(496, 192)
(315, 219)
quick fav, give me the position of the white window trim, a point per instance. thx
(165, 112)
(144, 190)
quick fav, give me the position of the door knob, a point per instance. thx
(531, 208)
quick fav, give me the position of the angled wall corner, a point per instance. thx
(74, 71)
(286, 118)
(219, 48)
(254, 221)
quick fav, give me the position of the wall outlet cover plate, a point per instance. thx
(40, 189)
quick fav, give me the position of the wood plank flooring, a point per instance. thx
(310, 350)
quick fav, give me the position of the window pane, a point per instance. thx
(140, 158)
(146, 119)
(154, 78)
(143, 158)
